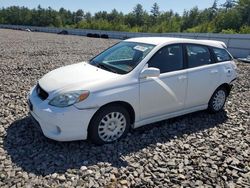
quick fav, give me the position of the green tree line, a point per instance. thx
(233, 16)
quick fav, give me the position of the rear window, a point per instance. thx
(221, 55)
(197, 55)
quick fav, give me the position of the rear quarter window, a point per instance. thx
(221, 55)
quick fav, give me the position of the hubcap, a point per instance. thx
(219, 100)
(112, 126)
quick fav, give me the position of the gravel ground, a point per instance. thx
(198, 149)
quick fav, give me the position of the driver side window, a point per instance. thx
(167, 59)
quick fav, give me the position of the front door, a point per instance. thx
(166, 93)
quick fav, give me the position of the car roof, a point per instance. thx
(170, 40)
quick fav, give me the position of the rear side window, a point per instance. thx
(168, 59)
(197, 55)
(221, 55)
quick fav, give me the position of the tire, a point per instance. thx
(89, 35)
(218, 100)
(109, 124)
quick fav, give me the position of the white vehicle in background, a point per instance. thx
(135, 82)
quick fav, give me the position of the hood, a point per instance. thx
(75, 76)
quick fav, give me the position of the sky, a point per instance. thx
(107, 5)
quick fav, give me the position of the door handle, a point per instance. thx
(214, 71)
(182, 77)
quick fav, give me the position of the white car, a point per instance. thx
(133, 83)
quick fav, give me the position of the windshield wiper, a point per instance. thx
(106, 67)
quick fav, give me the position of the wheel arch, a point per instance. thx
(226, 86)
(124, 104)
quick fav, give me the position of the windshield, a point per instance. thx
(122, 57)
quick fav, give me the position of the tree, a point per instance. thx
(215, 5)
(190, 18)
(228, 20)
(66, 17)
(210, 13)
(114, 16)
(101, 15)
(243, 7)
(232, 17)
(229, 4)
(138, 14)
(88, 17)
(155, 11)
(58, 21)
(79, 15)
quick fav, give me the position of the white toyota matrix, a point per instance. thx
(133, 83)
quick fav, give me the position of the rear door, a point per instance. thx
(203, 75)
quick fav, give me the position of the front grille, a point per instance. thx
(41, 93)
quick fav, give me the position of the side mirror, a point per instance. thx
(150, 72)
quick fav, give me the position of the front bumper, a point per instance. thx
(61, 124)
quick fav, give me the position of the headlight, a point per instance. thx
(70, 98)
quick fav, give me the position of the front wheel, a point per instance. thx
(109, 124)
(217, 100)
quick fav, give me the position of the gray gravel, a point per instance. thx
(198, 149)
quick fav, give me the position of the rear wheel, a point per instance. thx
(109, 124)
(218, 100)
